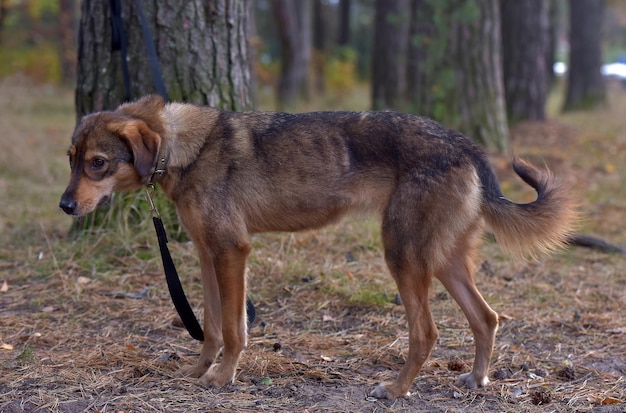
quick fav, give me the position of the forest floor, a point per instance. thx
(87, 324)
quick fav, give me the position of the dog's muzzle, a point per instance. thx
(68, 205)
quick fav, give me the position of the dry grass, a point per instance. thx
(328, 331)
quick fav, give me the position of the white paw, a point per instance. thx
(382, 392)
(469, 381)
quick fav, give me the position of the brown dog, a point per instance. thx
(233, 174)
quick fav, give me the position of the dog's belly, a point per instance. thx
(314, 209)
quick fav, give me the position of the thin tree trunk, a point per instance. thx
(477, 55)
(524, 47)
(293, 18)
(389, 53)
(4, 8)
(585, 85)
(426, 51)
(343, 36)
(554, 28)
(319, 33)
(454, 70)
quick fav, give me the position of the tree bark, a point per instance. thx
(293, 18)
(4, 9)
(319, 46)
(477, 52)
(525, 43)
(201, 45)
(343, 30)
(585, 85)
(388, 53)
(455, 69)
(425, 54)
(555, 26)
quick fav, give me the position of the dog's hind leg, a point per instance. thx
(413, 280)
(458, 279)
(423, 333)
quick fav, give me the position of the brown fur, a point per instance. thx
(233, 174)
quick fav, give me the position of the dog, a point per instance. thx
(233, 174)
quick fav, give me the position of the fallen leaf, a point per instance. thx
(610, 400)
(131, 347)
(5, 346)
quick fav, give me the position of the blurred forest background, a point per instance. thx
(474, 65)
(478, 66)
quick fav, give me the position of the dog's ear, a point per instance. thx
(148, 109)
(143, 141)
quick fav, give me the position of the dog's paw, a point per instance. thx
(388, 391)
(193, 371)
(468, 380)
(218, 376)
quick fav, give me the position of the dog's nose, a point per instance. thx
(68, 205)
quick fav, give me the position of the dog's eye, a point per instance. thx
(97, 163)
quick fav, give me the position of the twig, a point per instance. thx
(587, 241)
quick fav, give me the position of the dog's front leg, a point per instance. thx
(212, 317)
(230, 275)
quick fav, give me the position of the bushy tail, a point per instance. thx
(527, 230)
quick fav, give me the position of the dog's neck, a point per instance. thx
(185, 127)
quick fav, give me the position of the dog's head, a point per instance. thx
(112, 151)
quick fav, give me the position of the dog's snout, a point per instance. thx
(68, 205)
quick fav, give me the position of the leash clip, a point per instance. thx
(149, 192)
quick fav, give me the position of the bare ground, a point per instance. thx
(87, 325)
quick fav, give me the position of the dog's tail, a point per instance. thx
(526, 230)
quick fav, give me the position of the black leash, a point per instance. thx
(173, 280)
(119, 42)
(173, 284)
(155, 67)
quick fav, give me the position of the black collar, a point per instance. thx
(160, 170)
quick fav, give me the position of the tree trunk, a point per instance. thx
(477, 52)
(343, 30)
(201, 45)
(524, 47)
(455, 69)
(319, 34)
(388, 53)
(555, 27)
(203, 52)
(293, 18)
(4, 9)
(426, 52)
(585, 85)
